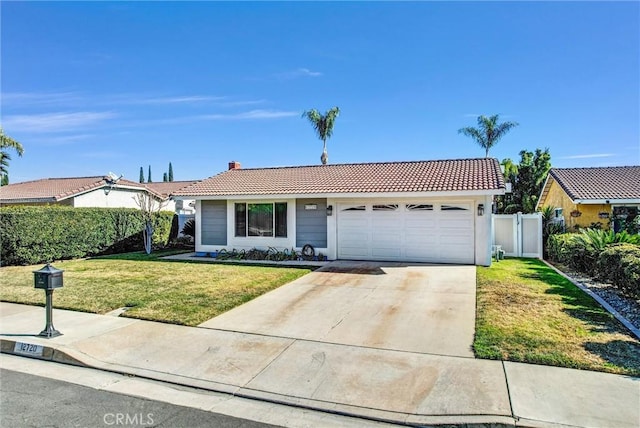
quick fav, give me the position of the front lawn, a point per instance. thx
(527, 312)
(168, 291)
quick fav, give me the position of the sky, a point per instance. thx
(95, 87)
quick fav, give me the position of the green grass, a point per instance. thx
(527, 312)
(168, 291)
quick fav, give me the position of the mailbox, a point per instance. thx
(48, 278)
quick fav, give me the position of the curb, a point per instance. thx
(47, 353)
(600, 300)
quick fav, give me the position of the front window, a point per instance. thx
(268, 219)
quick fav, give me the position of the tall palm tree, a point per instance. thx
(323, 125)
(7, 142)
(488, 132)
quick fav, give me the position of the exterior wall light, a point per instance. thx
(329, 210)
(480, 209)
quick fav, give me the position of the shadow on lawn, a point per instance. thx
(577, 303)
(618, 352)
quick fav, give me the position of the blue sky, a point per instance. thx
(94, 87)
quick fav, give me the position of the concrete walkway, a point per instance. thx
(389, 385)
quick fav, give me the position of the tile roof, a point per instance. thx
(166, 188)
(386, 177)
(55, 189)
(615, 182)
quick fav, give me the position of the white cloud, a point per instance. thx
(40, 98)
(169, 100)
(54, 122)
(253, 114)
(589, 156)
(299, 72)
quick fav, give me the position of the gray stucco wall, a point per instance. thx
(311, 225)
(214, 222)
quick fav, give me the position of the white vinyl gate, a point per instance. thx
(519, 235)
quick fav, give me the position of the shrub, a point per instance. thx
(559, 247)
(38, 234)
(619, 264)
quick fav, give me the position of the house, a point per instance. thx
(586, 196)
(425, 211)
(98, 191)
(185, 208)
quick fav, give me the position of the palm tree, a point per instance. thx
(488, 132)
(323, 125)
(7, 142)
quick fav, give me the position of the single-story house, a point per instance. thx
(424, 211)
(584, 196)
(98, 191)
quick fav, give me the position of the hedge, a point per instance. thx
(619, 264)
(613, 262)
(38, 234)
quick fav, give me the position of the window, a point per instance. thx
(261, 219)
(387, 207)
(355, 208)
(453, 208)
(419, 207)
(241, 219)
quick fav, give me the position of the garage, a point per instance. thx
(407, 230)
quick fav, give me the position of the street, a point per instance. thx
(33, 401)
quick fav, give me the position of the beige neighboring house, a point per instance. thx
(99, 191)
(167, 188)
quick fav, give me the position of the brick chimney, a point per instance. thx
(234, 165)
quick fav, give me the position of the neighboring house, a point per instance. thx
(166, 188)
(425, 211)
(101, 192)
(584, 196)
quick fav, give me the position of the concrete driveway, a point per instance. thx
(405, 307)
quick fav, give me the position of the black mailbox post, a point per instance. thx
(48, 278)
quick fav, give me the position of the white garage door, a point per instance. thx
(407, 231)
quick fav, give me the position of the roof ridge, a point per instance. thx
(596, 167)
(354, 164)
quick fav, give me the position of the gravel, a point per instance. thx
(626, 306)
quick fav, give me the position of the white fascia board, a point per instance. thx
(544, 187)
(395, 195)
(605, 201)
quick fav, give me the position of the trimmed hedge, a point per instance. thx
(38, 234)
(613, 262)
(619, 264)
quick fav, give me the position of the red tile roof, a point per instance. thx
(55, 189)
(387, 177)
(166, 188)
(614, 182)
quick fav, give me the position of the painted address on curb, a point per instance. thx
(28, 349)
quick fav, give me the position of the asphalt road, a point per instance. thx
(33, 401)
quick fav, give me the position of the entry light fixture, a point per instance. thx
(329, 210)
(480, 209)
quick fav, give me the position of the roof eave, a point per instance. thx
(348, 195)
(610, 201)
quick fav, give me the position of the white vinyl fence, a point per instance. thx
(519, 235)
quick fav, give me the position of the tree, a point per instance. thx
(141, 175)
(323, 125)
(149, 175)
(4, 168)
(149, 207)
(6, 142)
(170, 172)
(164, 177)
(527, 181)
(488, 132)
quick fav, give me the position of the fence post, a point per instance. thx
(519, 234)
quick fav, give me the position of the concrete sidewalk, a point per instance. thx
(394, 386)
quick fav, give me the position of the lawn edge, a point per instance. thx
(600, 300)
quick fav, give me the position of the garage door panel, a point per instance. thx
(386, 253)
(409, 231)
